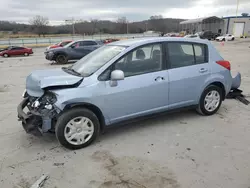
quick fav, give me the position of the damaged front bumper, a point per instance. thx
(33, 122)
(30, 122)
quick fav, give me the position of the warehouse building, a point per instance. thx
(213, 23)
(238, 26)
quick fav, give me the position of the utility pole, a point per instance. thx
(237, 8)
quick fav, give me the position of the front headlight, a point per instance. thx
(49, 98)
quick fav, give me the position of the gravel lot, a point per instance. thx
(178, 150)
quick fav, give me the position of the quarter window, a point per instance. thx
(141, 60)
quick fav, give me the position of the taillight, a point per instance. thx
(225, 64)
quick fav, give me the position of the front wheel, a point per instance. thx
(61, 59)
(5, 55)
(232, 39)
(26, 54)
(77, 128)
(210, 100)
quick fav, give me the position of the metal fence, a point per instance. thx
(53, 40)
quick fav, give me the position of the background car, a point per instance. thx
(226, 37)
(60, 44)
(192, 36)
(109, 40)
(208, 35)
(72, 51)
(15, 51)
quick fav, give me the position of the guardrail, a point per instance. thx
(43, 41)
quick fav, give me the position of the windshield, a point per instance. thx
(96, 59)
(69, 44)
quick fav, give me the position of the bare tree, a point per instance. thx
(40, 24)
(94, 23)
(122, 25)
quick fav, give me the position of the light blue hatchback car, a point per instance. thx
(122, 81)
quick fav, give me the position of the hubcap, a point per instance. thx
(79, 130)
(212, 101)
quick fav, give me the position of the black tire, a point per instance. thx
(233, 39)
(69, 115)
(61, 59)
(223, 39)
(5, 55)
(201, 107)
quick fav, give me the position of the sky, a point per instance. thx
(57, 11)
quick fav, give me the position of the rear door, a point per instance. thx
(19, 51)
(85, 48)
(188, 70)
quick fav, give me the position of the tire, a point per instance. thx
(26, 54)
(69, 121)
(5, 55)
(61, 59)
(205, 110)
(224, 39)
(233, 39)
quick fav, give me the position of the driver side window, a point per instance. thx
(141, 60)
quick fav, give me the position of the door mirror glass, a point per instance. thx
(117, 75)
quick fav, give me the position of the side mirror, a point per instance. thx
(115, 76)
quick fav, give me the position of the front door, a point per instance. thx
(188, 71)
(144, 89)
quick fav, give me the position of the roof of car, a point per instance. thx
(146, 40)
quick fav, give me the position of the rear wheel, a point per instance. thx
(5, 55)
(61, 59)
(210, 100)
(77, 128)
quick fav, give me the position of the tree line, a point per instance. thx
(40, 25)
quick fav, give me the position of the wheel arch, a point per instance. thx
(90, 107)
(218, 84)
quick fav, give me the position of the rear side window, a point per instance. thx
(180, 55)
(88, 43)
(186, 54)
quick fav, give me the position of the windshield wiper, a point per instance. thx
(71, 71)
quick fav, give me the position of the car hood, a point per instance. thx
(39, 80)
(57, 49)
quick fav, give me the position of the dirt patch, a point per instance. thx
(131, 172)
(23, 183)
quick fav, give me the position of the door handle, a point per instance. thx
(159, 78)
(202, 70)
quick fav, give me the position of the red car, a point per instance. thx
(60, 44)
(16, 50)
